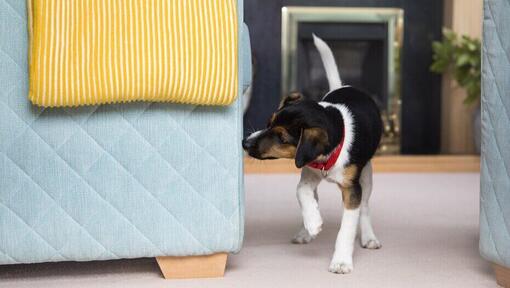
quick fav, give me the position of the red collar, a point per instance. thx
(333, 156)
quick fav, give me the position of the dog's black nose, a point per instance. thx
(246, 144)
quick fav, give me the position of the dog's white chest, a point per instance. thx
(335, 175)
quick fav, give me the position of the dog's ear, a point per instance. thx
(312, 144)
(293, 97)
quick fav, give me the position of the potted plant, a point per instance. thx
(462, 56)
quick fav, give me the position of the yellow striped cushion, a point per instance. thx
(105, 51)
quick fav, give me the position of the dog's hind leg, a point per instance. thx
(303, 237)
(307, 198)
(368, 238)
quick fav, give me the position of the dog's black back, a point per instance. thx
(367, 122)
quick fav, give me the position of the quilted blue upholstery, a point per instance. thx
(495, 187)
(113, 181)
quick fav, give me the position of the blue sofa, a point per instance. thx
(114, 181)
(495, 168)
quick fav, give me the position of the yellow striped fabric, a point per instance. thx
(106, 51)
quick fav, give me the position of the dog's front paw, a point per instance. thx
(340, 267)
(313, 224)
(302, 237)
(371, 244)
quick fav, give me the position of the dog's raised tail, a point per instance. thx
(334, 80)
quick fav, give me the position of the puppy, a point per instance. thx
(332, 140)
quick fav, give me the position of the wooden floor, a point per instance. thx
(384, 164)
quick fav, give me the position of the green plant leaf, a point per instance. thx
(463, 59)
(463, 55)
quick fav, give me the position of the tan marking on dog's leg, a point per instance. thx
(351, 196)
(351, 189)
(350, 174)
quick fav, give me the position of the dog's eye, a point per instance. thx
(283, 140)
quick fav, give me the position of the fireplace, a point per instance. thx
(366, 43)
(420, 90)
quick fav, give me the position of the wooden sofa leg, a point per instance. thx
(502, 275)
(207, 266)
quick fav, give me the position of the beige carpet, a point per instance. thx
(427, 223)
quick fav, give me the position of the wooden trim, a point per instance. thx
(382, 164)
(502, 275)
(465, 18)
(429, 164)
(206, 266)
